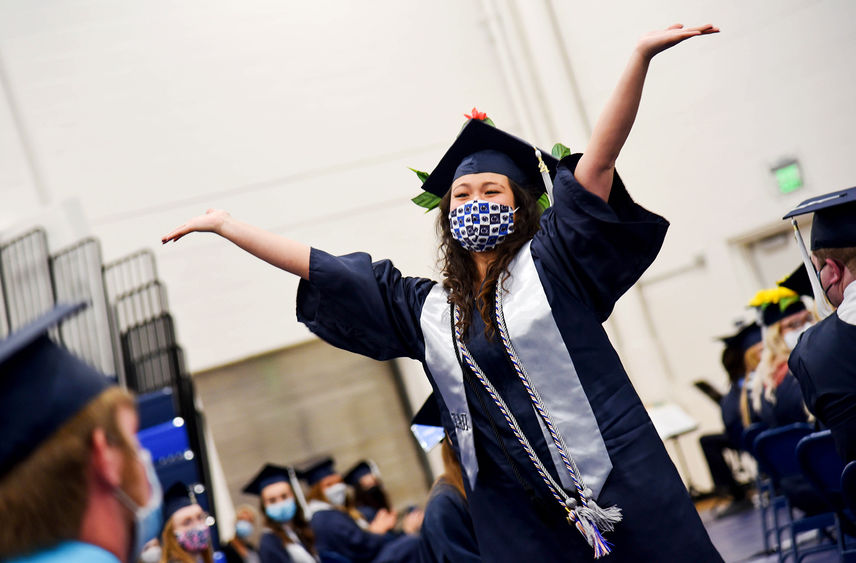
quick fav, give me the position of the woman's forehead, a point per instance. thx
(480, 179)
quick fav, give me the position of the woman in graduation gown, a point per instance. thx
(286, 537)
(186, 537)
(553, 439)
(341, 534)
(776, 393)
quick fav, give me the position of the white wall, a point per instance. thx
(122, 119)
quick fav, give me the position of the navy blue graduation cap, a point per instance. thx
(175, 498)
(483, 148)
(798, 282)
(426, 425)
(314, 470)
(834, 223)
(268, 475)
(42, 385)
(745, 338)
(357, 472)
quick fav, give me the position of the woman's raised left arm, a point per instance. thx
(597, 165)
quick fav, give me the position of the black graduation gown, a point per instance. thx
(731, 417)
(336, 532)
(587, 254)
(271, 549)
(823, 363)
(788, 407)
(447, 534)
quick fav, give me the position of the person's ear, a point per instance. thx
(107, 459)
(836, 270)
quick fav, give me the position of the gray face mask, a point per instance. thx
(148, 519)
(336, 494)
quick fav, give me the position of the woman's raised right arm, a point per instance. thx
(282, 252)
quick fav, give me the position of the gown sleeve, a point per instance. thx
(599, 249)
(336, 532)
(363, 307)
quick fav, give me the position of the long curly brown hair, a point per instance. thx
(460, 274)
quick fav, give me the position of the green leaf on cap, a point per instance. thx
(544, 202)
(489, 121)
(427, 200)
(786, 302)
(422, 175)
(560, 151)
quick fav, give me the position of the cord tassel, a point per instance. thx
(603, 518)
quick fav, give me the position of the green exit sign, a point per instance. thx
(788, 177)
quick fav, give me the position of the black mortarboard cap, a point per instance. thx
(268, 475)
(483, 148)
(426, 425)
(316, 469)
(798, 282)
(42, 385)
(745, 338)
(834, 223)
(357, 472)
(429, 413)
(773, 313)
(175, 498)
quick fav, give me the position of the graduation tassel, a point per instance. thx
(821, 302)
(545, 175)
(590, 532)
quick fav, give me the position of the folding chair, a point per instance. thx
(822, 466)
(776, 453)
(762, 483)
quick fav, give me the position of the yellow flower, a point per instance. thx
(773, 295)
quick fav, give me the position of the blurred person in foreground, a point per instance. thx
(75, 485)
(824, 359)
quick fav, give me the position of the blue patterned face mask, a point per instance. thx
(481, 225)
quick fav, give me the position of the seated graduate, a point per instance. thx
(239, 549)
(824, 360)
(75, 485)
(776, 395)
(286, 537)
(343, 533)
(186, 537)
(369, 492)
(447, 528)
(713, 445)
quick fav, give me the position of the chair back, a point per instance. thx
(749, 434)
(776, 451)
(822, 465)
(848, 486)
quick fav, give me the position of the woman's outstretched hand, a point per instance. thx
(656, 41)
(210, 222)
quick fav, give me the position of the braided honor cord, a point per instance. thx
(579, 515)
(600, 518)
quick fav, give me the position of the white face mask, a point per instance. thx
(151, 554)
(793, 336)
(336, 494)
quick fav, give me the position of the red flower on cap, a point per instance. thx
(476, 114)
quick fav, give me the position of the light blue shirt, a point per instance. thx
(69, 552)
